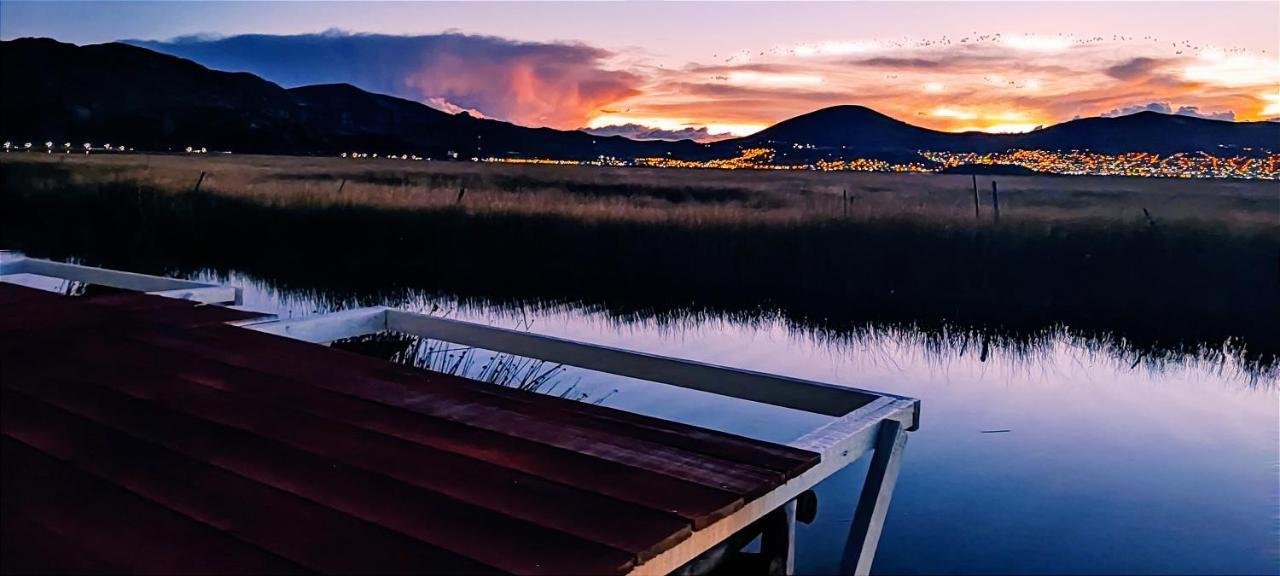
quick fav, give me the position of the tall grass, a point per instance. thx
(1199, 273)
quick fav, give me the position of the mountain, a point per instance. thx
(855, 127)
(852, 131)
(133, 96)
(1153, 132)
(151, 101)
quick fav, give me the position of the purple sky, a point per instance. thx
(733, 67)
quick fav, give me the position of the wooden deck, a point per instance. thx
(146, 434)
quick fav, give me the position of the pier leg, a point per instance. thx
(873, 504)
(778, 540)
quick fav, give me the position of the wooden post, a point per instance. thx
(198, 182)
(995, 201)
(873, 503)
(462, 191)
(342, 185)
(845, 195)
(976, 214)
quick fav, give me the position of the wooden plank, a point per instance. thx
(350, 323)
(254, 513)
(496, 540)
(266, 354)
(587, 515)
(158, 309)
(99, 525)
(28, 547)
(696, 503)
(11, 294)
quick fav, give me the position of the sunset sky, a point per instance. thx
(661, 69)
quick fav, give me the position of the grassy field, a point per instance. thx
(1157, 266)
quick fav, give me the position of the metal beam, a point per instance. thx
(873, 504)
(12, 263)
(328, 327)
(806, 395)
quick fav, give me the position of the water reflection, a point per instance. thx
(1116, 460)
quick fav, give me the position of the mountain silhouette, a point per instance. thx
(151, 101)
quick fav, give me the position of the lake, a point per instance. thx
(1053, 456)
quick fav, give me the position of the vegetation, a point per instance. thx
(1157, 267)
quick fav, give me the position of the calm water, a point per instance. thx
(1109, 465)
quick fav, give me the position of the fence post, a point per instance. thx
(198, 182)
(995, 201)
(976, 214)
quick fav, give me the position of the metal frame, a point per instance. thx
(865, 422)
(12, 263)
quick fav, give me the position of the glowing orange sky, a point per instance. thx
(993, 83)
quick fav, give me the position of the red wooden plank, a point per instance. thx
(642, 531)
(466, 530)
(14, 294)
(96, 525)
(28, 547)
(304, 531)
(423, 394)
(172, 311)
(785, 459)
(694, 502)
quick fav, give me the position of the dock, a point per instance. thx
(155, 427)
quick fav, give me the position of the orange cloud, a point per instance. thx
(988, 82)
(991, 83)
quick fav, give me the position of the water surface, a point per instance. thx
(1111, 462)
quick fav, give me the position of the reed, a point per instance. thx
(1069, 252)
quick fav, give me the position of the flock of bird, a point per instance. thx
(1179, 47)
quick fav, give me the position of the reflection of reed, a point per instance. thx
(503, 369)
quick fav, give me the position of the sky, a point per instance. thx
(705, 70)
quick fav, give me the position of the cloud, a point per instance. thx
(900, 63)
(568, 85)
(1166, 108)
(1134, 68)
(531, 83)
(639, 132)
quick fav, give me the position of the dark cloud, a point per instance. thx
(901, 63)
(638, 132)
(1134, 68)
(541, 84)
(1166, 108)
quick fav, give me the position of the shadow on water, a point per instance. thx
(1150, 296)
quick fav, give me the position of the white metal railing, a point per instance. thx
(13, 263)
